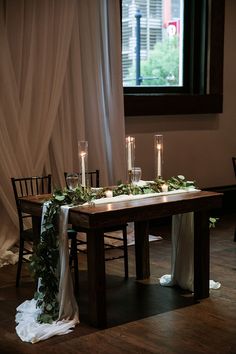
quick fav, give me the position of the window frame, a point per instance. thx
(205, 80)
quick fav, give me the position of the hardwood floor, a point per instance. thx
(143, 316)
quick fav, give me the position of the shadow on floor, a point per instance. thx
(131, 300)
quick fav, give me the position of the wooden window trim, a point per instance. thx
(189, 103)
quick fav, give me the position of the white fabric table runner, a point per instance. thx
(28, 329)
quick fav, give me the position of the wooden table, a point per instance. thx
(95, 218)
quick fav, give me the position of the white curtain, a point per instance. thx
(93, 90)
(60, 82)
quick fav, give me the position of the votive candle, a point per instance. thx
(109, 193)
(164, 187)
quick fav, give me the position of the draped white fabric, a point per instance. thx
(28, 329)
(60, 82)
(182, 256)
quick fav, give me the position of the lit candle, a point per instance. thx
(129, 154)
(158, 147)
(109, 194)
(164, 187)
(82, 155)
(158, 160)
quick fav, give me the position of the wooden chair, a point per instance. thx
(24, 187)
(32, 186)
(234, 166)
(93, 178)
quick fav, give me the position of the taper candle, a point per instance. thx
(82, 155)
(158, 146)
(83, 161)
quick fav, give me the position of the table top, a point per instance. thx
(148, 208)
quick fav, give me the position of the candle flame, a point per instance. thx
(130, 139)
(158, 146)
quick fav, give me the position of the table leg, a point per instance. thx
(96, 278)
(141, 229)
(201, 255)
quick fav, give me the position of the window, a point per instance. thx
(152, 33)
(188, 78)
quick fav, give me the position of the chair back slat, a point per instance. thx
(26, 188)
(21, 187)
(31, 184)
(43, 187)
(37, 185)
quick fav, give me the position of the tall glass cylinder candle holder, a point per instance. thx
(83, 161)
(130, 155)
(158, 149)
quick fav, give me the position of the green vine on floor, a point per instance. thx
(44, 262)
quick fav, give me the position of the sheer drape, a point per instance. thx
(91, 107)
(35, 39)
(60, 82)
(101, 63)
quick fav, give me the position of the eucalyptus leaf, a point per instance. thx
(48, 226)
(181, 177)
(212, 222)
(60, 198)
(36, 295)
(45, 318)
(49, 307)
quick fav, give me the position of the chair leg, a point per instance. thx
(125, 244)
(74, 259)
(19, 265)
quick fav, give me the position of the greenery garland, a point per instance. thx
(44, 266)
(44, 262)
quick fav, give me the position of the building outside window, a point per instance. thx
(152, 42)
